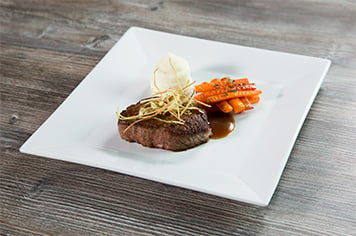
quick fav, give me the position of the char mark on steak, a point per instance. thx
(158, 134)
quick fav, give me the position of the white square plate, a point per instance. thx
(245, 166)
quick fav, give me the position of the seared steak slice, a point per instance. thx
(158, 134)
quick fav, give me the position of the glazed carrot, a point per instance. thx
(241, 81)
(209, 93)
(254, 99)
(219, 83)
(205, 86)
(237, 105)
(214, 83)
(246, 102)
(224, 106)
(216, 91)
(232, 94)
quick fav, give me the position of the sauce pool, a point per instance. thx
(222, 124)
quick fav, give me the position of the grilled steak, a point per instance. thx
(158, 134)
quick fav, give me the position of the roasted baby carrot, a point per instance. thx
(219, 83)
(224, 106)
(246, 102)
(231, 94)
(254, 99)
(227, 94)
(237, 105)
(202, 96)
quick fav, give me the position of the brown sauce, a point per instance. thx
(222, 124)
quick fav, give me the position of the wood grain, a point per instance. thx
(48, 47)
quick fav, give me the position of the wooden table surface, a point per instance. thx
(48, 47)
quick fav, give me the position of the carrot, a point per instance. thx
(247, 103)
(237, 105)
(219, 83)
(232, 94)
(205, 86)
(227, 94)
(254, 99)
(224, 106)
(216, 91)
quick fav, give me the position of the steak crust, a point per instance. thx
(157, 134)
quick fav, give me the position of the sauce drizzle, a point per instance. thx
(222, 124)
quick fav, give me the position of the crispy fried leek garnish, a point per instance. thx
(168, 106)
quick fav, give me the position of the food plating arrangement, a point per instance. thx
(179, 115)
